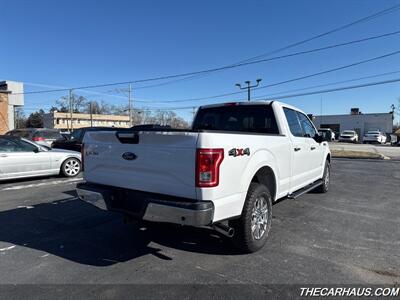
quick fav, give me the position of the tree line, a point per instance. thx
(81, 104)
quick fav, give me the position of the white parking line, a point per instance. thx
(7, 248)
(26, 186)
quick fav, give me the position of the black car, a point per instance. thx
(74, 142)
(150, 127)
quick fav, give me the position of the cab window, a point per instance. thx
(306, 125)
(293, 121)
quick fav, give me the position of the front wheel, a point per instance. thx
(71, 167)
(252, 228)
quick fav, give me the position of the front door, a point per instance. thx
(300, 156)
(22, 159)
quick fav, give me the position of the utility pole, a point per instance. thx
(130, 104)
(91, 113)
(248, 87)
(71, 108)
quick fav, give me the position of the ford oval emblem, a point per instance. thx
(129, 156)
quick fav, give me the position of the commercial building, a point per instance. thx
(357, 121)
(62, 120)
(11, 98)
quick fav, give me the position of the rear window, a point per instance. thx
(48, 134)
(20, 133)
(245, 118)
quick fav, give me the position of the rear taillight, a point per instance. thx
(38, 139)
(82, 156)
(207, 167)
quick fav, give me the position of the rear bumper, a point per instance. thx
(148, 206)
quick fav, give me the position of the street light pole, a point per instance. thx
(248, 87)
(71, 108)
(130, 104)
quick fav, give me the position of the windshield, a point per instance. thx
(373, 132)
(76, 134)
(20, 133)
(247, 118)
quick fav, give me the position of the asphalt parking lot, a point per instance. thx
(349, 235)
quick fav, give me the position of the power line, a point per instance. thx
(337, 29)
(329, 84)
(279, 57)
(289, 80)
(340, 28)
(213, 69)
(268, 97)
(336, 89)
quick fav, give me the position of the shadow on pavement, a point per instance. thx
(80, 232)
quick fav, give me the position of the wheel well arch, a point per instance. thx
(266, 176)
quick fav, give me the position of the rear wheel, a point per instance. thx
(252, 228)
(71, 167)
(324, 187)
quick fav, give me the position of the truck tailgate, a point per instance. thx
(157, 162)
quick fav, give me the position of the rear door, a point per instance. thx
(158, 162)
(301, 152)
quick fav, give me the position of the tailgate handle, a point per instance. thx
(128, 138)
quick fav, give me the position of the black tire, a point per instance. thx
(244, 238)
(71, 167)
(326, 179)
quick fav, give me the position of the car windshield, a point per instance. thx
(373, 132)
(348, 132)
(48, 134)
(76, 134)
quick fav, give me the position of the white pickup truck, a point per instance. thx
(224, 173)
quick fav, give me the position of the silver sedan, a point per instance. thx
(20, 158)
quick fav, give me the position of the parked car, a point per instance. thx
(327, 133)
(392, 139)
(224, 173)
(21, 158)
(348, 136)
(150, 127)
(41, 136)
(74, 141)
(375, 136)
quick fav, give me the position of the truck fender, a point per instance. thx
(262, 160)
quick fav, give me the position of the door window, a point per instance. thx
(293, 121)
(26, 147)
(7, 145)
(308, 128)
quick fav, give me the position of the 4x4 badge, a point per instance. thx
(239, 152)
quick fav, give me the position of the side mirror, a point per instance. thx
(36, 150)
(319, 138)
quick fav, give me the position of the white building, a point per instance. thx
(357, 121)
(62, 120)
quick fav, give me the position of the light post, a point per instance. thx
(248, 87)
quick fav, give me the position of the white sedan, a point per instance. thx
(375, 136)
(348, 136)
(20, 158)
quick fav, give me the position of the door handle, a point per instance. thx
(3, 155)
(312, 148)
(297, 149)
